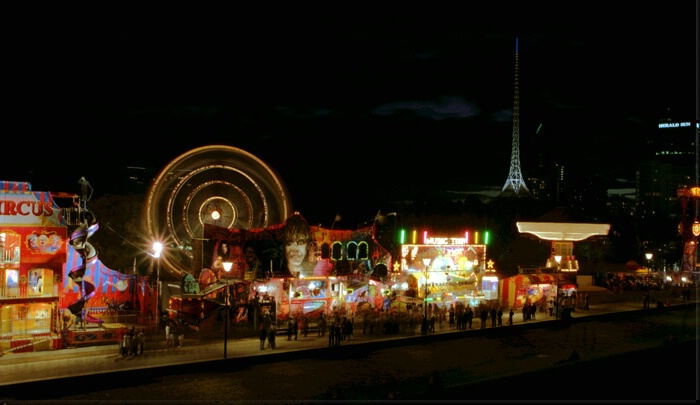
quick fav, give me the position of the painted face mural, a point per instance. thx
(296, 239)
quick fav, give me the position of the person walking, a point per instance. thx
(126, 344)
(169, 336)
(271, 336)
(142, 340)
(510, 317)
(305, 325)
(331, 335)
(550, 306)
(273, 308)
(180, 335)
(424, 326)
(526, 312)
(322, 325)
(349, 329)
(262, 335)
(500, 316)
(134, 343)
(296, 328)
(461, 318)
(470, 317)
(493, 314)
(338, 333)
(484, 316)
(290, 327)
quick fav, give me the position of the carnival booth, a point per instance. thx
(294, 269)
(444, 271)
(33, 238)
(515, 291)
(54, 291)
(540, 287)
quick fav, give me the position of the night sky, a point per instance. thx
(387, 100)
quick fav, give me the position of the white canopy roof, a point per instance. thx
(563, 231)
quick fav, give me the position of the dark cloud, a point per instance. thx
(444, 108)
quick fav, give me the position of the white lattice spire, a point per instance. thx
(515, 185)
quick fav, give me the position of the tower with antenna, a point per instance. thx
(515, 185)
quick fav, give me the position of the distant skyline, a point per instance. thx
(400, 101)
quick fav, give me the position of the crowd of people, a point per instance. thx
(132, 342)
(174, 335)
(338, 328)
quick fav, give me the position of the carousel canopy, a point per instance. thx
(563, 231)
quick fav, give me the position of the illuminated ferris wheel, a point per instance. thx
(216, 184)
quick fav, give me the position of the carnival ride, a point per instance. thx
(249, 199)
(215, 185)
(244, 192)
(88, 254)
(92, 292)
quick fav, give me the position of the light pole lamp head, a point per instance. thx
(227, 266)
(696, 228)
(426, 262)
(557, 258)
(157, 249)
(649, 255)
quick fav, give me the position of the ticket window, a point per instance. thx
(9, 261)
(26, 319)
(10, 281)
(9, 249)
(38, 279)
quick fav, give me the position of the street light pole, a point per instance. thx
(648, 300)
(227, 268)
(424, 327)
(393, 237)
(557, 258)
(157, 249)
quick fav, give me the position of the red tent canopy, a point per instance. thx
(632, 266)
(542, 278)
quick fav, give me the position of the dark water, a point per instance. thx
(663, 373)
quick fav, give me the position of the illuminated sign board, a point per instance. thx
(674, 124)
(469, 238)
(443, 257)
(446, 241)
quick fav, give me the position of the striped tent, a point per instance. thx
(107, 282)
(514, 291)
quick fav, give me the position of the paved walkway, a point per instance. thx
(45, 365)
